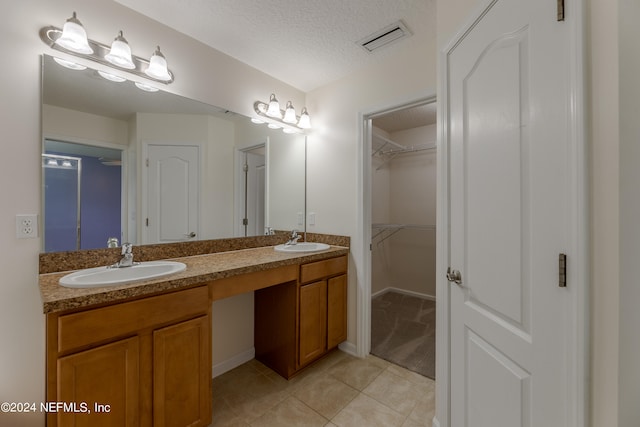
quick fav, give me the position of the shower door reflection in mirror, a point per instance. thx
(81, 196)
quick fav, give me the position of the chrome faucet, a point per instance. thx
(127, 257)
(294, 238)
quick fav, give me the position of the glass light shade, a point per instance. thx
(112, 77)
(287, 130)
(120, 53)
(66, 163)
(158, 67)
(74, 37)
(68, 64)
(257, 121)
(52, 162)
(273, 126)
(146, 88)
(274, 107)
(290, 114)
(305, 120)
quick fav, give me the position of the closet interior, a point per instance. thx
(403, 247)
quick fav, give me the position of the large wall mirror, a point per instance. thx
(123, 164)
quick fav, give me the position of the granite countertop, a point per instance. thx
(200, 269)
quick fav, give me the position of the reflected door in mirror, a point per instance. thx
(172, 193)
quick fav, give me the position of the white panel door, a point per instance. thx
(172, 193)
(508, 98)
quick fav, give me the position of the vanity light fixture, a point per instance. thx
(72, 40)
(270, 113)
(74, 37)
(120, 53)
(273, 109)
(158, 67)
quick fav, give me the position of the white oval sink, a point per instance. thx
(302, 247)
(105, 276)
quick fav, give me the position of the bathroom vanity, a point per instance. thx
(140, 354)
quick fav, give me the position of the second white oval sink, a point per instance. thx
(105, 276)
(302, 247)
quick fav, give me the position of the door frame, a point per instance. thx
(578, 274)
(363, 297)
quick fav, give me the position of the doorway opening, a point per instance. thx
(401, 158)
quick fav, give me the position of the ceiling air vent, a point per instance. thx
(390, 34)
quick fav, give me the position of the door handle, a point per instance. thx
(191, 235)
(454, 276)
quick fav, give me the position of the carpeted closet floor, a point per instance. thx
(403, 331)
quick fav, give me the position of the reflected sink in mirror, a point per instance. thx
(302, 247)
(105, 276)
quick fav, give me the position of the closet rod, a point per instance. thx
(391, 229)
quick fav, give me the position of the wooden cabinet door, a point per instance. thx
(336, 310)
(182, 374)
(313, 321)
(107, 375)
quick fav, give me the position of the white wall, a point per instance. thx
(80, 127)
(334, 159)
(201, 73)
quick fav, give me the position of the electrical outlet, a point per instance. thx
(26, 226)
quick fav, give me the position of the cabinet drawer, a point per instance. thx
(321, 269)
(101, 324)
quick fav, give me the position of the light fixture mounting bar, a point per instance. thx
(50, 34)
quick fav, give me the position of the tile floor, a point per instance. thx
(339, 390)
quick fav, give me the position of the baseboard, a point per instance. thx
(234, 362)
(348, 348)
(405, 292)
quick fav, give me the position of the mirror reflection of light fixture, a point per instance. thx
(74, 37)
(69, 64)
(120, 53)
(66, 163)
(111, 77)
(145, 87)
(72, 40)
(52, 162)
(270, 113)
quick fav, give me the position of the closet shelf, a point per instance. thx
(387, 149)
(384, 231)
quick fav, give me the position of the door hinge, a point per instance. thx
(147, 162)
(560, 10)
(245, 221)
(562, 271)
(147, 222)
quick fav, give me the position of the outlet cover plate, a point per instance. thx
(27, 226)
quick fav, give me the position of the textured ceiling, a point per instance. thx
(305, 43)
